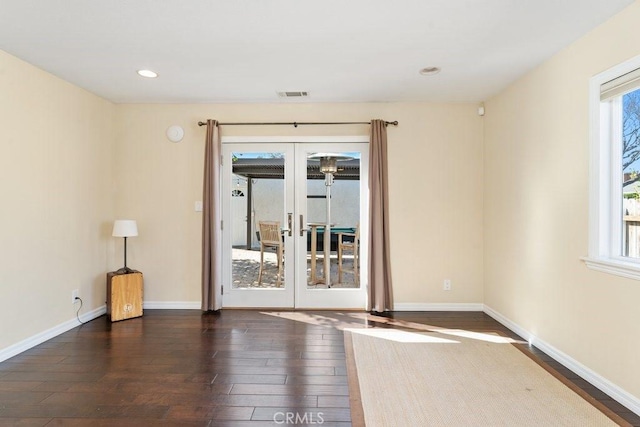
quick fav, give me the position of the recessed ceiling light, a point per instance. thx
(148, 73)
(429, 71)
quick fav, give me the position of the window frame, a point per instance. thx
(605, 179)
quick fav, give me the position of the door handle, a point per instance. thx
(290, 223)
(302, 229)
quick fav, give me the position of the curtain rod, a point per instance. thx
(296, 124)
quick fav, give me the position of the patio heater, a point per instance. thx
(328, 166)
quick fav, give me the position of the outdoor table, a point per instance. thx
(314, 229)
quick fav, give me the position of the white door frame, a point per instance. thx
(334, 298)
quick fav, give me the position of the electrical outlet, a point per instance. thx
(74, 294)
(447, 285)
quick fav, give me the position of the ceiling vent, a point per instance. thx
(293, 94)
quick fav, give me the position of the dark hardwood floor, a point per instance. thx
(183, 368)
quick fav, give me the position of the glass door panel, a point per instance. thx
(334, 203)
(344, 217)
(258, 222)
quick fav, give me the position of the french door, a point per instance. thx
(317, 254)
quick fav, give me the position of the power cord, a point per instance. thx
(78, 312)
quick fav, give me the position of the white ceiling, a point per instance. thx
(208, 51)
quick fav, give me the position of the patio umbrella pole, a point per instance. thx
(327, 231)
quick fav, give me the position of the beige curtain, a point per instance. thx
(211, 221)
(380, 289)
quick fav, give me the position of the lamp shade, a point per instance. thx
(125, 228)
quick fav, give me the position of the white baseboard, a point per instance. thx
(196, 305)
(34, 340)
(409, 306)
(618, 394)
(41, 337)
(172, 305)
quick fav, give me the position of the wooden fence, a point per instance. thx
(631, 228)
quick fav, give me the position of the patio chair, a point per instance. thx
(350, 245)
(271, 237)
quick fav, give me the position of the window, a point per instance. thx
(614, 216)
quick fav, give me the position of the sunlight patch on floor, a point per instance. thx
(401, 336)
(481, 336)
(333, 320)
(371, 322)
(494, 338)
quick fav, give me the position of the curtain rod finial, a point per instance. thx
(205, 123)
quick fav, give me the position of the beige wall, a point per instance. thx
(435, 159)
(56, 199)
(536, 210)
(72, 163)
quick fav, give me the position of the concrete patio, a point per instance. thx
(246, 265)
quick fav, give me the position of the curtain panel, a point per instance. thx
(211, 221)
(380, 284)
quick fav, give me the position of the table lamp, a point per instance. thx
(125, 228)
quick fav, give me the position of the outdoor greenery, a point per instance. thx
(631, 133)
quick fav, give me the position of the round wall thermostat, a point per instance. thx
(175, 133)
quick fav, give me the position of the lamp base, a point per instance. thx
(124, 296)
(125, 270)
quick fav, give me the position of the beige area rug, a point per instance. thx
(433, 379)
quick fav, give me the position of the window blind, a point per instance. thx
(620, 85)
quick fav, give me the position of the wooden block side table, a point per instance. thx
(124, 295)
